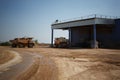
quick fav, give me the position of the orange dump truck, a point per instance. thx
(61, 42)
(22, 42)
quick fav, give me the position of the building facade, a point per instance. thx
(91, 32)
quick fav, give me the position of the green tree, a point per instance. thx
(36, 41)
(5, 43)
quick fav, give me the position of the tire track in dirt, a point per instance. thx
(47, 69)
(15, 70)
(31, 71)
(15, 60)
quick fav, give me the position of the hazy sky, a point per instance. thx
(19, 18)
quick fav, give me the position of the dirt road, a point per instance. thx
(18, 68)
(69, 64)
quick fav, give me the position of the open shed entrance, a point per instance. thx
(84, 36)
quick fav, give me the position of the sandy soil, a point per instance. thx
(5, 56)
(71, 64)
(9, 59)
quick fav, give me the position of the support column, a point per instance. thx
(70, 39)
(94, 36)
(52, 35)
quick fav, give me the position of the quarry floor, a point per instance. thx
(42, 63)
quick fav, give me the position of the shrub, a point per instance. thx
(4, 44)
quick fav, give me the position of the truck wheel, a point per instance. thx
(59, 46)
(30, 45)
(14, 45)
(21, 45)
(56, 46)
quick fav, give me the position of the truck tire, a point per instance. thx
(30, 45)
(21, 45)
(14, 46)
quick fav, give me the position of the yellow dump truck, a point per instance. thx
(22, 42)
(61, 42)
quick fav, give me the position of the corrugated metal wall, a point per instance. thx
(80, 35)
(104, 35)
(116, 33)
(108, 36)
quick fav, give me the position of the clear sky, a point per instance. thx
(20, 18)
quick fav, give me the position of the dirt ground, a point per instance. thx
(70, 64)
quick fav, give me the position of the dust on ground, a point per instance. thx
(5, 56)
(8, 59)
(73, 64)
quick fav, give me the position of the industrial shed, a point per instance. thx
(93, 32)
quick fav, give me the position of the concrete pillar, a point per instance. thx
(94, 42)
(94, 35)
(70, 39)
(52, 35)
